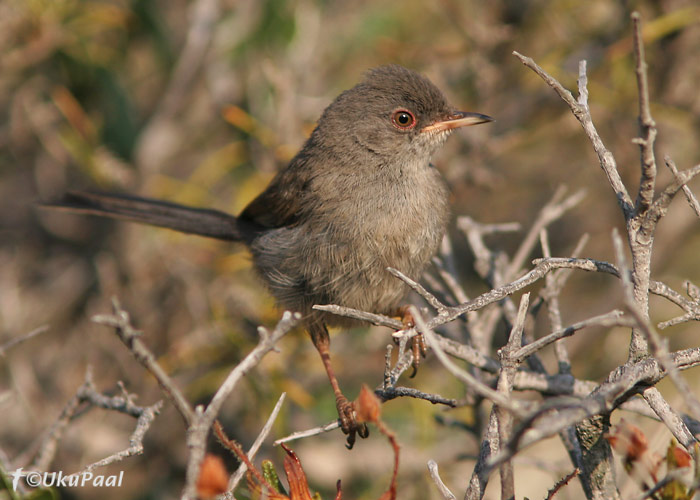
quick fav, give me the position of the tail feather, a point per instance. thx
(204, 222)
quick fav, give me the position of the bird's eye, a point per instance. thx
(403, 119)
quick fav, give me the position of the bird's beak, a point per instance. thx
(457, 119)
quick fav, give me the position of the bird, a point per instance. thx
(360, 196)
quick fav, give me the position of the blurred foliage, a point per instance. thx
(200, 102)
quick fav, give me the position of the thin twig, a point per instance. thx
(509, 365)
(121, 323)
(692, 200)
(348, 312)
(22, 338)
(562, 482)
(471, 382)
(389, 393)
(418, 288)
(552, 211)
(612, 318)
(660, 352)
(645, 196)
(309, 432)
(435, 476)
(238, 475)
(204, 418)
(582, 113)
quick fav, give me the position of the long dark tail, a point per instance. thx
(204, 222)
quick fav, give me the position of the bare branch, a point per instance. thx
(670, 417)
(87, 393)
(582, 113)
(660, 351)
(509, 365)
(612, 318)
(660, 206)
(238, 475)
(435, 476)
(310, 432)
(562, 482)
(552, 211)
(645, 196)
(392, 392)
(22, 338)
(130, 337)
(692, 200)
(471, 382)
(204, 418)
(348, 312)
(418, 288)
(622, 383)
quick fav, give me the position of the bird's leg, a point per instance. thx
(417, 342)
(346, 409)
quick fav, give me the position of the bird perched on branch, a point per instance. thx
(360, 196)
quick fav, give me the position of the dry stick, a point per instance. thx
(496, 275)
(121, 323)
(22, 338)
(582, 113)
(622, 383)
(542, 267)
(660, 206)
(550, 292)
(552, 211)
(472, 383)
(49, 445)
(562, 482)
(403, 361)
(435, 476)
(692, 200)
(145, 419)
(612, 318)
(204, 418)
(388, 390)
(488, 449)
(238, 475)
(488, 265)
(308, 433)
(468, 354)
(418, 288)
(389, 393)
(372, 318)
(87, 393)
(509, 365)
(554, 283)
(660, 351)
(645, 196)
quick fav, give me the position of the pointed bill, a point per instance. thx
(457, 119)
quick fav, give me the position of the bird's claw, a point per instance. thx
(417, 343)
(419, 350)
(348, 421)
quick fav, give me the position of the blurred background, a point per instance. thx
(200, 103)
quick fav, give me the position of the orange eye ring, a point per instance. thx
(403, 119)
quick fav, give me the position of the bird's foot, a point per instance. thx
(348, 421)
(417, 343)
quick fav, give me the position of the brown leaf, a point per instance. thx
(213, 477)
(628, 440)
(367, 406)
(678, 457)
(298, 486)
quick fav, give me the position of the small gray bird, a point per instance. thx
(359, 197)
